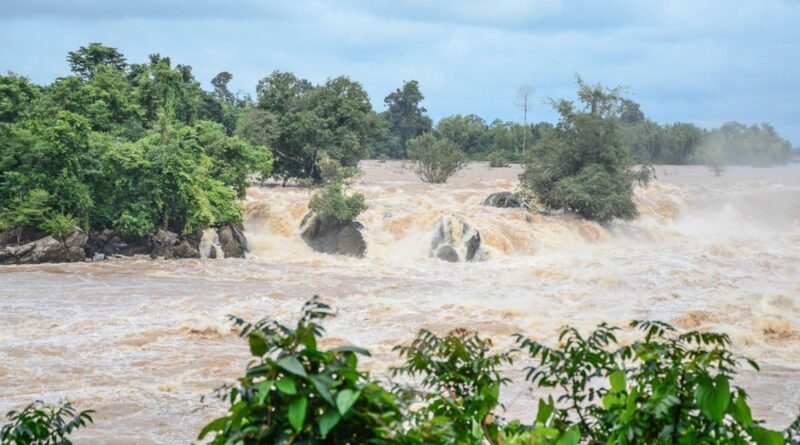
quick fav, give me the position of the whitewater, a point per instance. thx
(140, 340)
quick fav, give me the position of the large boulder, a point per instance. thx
(108, 242)
(232, 241)
(503, 200)
(329, 236)
(47, 250)
(456, 240)
(172, 246)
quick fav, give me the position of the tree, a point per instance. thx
(403, 120)
(221, 91)
(16, 95)
(583, 165)
(332, 204)
(334, 119)
(433, 159)
(86, 60)
(24, 212)
(469, 133)
(524, 94)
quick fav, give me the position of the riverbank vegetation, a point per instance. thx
(140, 147)
(664, 387)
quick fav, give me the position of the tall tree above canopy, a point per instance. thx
(404, 119)
(85, 61)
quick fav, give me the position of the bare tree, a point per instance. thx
(524, 94)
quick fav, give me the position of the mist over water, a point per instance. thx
(140, 340)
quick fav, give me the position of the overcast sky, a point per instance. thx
(701, 61)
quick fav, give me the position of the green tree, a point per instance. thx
(16, 96)
(403, 120)
(86, 60)
(41, 424)
(25, 211)
(583, 165)
(469, 133)
(435, 160)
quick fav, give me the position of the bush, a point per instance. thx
(583, 165)
(59, 225)
(497, 159)
(331, 203)
(435, 160)
(332, 171)
(40, 424)
(295, 392)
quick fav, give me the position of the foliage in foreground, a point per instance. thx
(664, 388)
(41, 424)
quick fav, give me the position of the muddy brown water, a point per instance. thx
(140, 341)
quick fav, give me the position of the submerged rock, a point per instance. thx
(47, 250)
(455, 240)
(503, 200)
(329, 236)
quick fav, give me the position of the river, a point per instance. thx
(140, 340)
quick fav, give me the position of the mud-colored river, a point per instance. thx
(140, 341)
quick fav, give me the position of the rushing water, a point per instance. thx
(140, 341)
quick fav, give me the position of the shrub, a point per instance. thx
(713, 156)
(435, 160)
(583, 165)
(463, 378)
(331, 203)
(295, 392)
(59, 225)
(666, 388)
(497, 159)
(332, 171)
(40, 424)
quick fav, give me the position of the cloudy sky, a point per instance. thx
(702, 61)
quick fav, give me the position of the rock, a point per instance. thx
(99, 257)
(232, 241)
(448, 253)
(455, 240)
(503, 200)
(163, 242)
(329, 236)
(47, 250)
(182, 250)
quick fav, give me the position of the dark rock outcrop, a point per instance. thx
(172, 246)
(232, 241)
(47, 250)
(330, 236)
(503, 200)
(455, 240)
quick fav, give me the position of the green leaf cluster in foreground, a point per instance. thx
(665, 387)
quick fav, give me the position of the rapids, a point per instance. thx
(140, 341)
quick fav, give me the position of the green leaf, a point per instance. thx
(297, 413)
(286, 385)
(741, 411)
(323, 388)
(345, 400)
(263, 391)
(215, 425)
(258, 346)
(545, 410)
(328, 421)
(763, 436)
(713, 397)
(617, 379)
(571, 437)
(293, 365)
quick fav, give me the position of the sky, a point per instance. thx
(699, 61)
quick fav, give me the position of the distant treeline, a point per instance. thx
(142, 146)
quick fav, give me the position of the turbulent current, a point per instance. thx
(140, 341)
